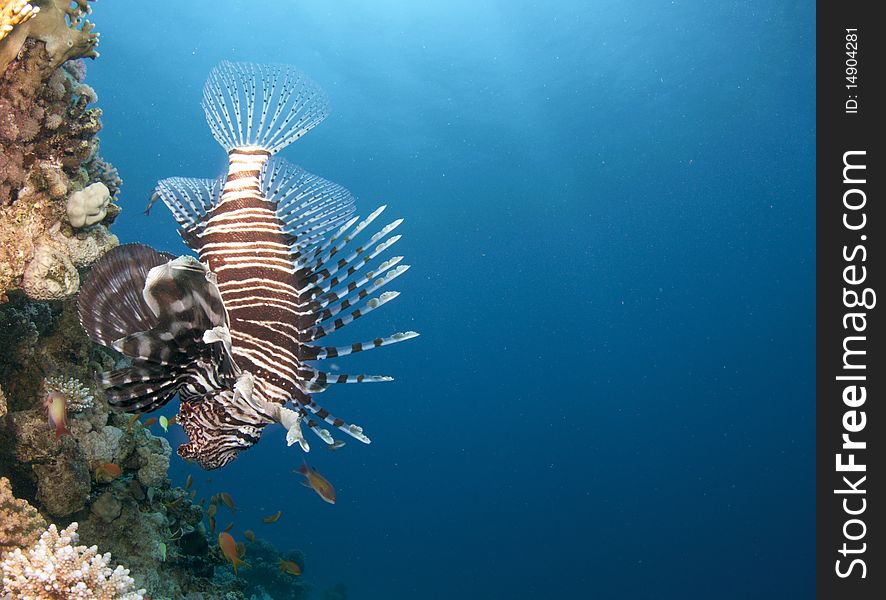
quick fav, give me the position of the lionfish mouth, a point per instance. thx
(233, 332)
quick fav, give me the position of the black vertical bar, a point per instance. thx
(851, 372)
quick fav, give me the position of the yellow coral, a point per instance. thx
(20, 523)
(14, 12)
(56, 569)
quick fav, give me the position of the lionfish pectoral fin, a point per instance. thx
(189, 199)
(308, 205)
(111, 303)
(291, 420)
(184, 296)
(139, 388)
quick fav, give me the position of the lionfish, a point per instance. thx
(233, 333)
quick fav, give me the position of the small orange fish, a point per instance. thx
(212, 524)
(287, 566)
(189, 481)
(212, 510)
(229, 527)
(174, 503)
(131, 422)
(249, 535)
(228, 501)
(273, 518)
(318, 483)
(229, 549)
(56, 405)
(241, 549)
(173, 420)
(193, 495)
(107, 472)
(147, 424)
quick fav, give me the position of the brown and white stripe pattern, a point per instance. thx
(264, 231)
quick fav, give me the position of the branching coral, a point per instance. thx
(59, 25)
(20, 523)
(57, 569)
(14, 12)
(79, 397)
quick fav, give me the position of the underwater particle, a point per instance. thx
(272, 518)
(287, 566)
(88, 206)
(56, 405)
(229, 549)
(318, 483)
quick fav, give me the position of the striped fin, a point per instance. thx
(110, 302)
(172, 318)
(188, 199)
(382, 275)
(355, 431)
(309, 206)
(265, 106)
(143, 387)
(335, 351)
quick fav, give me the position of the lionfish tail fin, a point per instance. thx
(264, 106)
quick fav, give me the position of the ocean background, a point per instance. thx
(610, 216)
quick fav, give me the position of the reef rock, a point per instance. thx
(153, 456)
(63, 486)
(50, 275)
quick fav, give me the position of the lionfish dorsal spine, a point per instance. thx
(282, 266)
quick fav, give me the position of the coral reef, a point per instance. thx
(20, 523)
(14, 12)
(47, 140)
(264, 577)
(61, 27)
(56, 568)
(79, 397)
(100, 170)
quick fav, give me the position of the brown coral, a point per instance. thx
(20, 523)
(61, 27)
(14, 12)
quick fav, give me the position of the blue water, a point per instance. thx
(609, 213)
